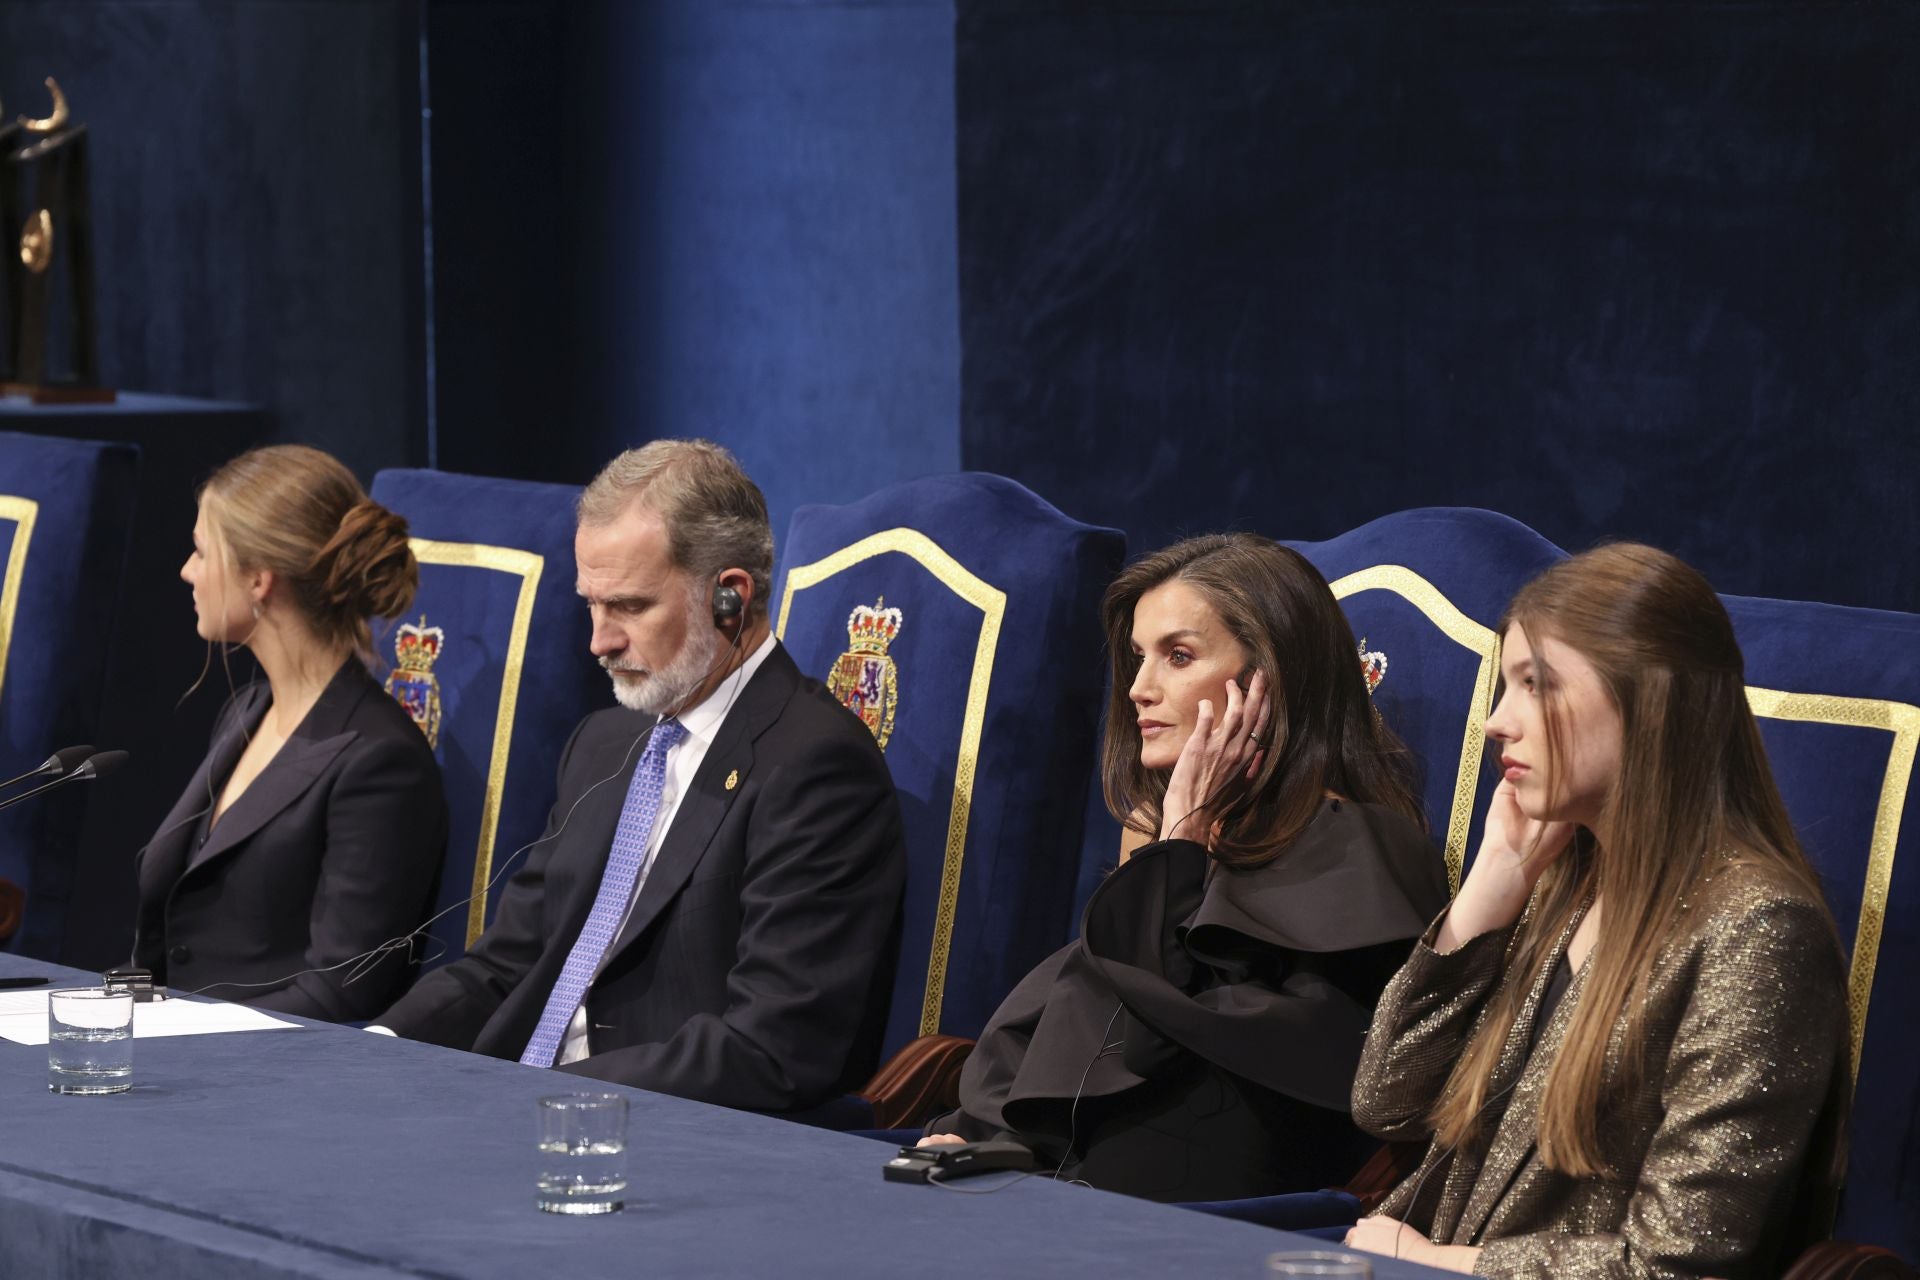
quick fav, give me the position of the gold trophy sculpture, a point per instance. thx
(10, 268)
(45, 202)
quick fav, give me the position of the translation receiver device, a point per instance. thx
(135, 980)
(945, 1163)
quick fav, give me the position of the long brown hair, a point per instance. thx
(341, 556)
(1694, 787)
(1324, 733)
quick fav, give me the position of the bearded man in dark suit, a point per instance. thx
(713, 909)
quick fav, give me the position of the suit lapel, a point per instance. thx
(708, 797)
(281, 783)
(321, 735)
(1517, 1135)
(164, 858)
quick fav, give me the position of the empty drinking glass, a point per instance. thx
(1320, 1262)
(90, 1041)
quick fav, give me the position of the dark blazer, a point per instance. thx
(332, 850)
(1198, 1041)
(1726, 1144)
(755, 966)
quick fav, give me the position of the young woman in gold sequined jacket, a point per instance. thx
(1626, 1040)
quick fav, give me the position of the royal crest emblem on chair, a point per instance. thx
(864, 677)
(412, 683)
(1373, 665)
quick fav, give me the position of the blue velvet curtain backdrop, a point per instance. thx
(1617, 269)
(256, 199)
(1627, 270)
(697, 217)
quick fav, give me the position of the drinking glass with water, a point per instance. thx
(1320, 1262)
(90, 1041)
(582, 1153)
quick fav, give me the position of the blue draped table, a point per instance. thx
(329, 1152)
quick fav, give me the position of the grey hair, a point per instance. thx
(716, 517)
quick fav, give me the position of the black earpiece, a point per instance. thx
(727, 606)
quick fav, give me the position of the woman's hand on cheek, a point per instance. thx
(1217, 756)
(1513, 854)
(1527, 845)
(1259, 710)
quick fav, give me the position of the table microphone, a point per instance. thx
(98, 765)
(57, 765)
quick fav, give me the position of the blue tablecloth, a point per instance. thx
(329, 1152)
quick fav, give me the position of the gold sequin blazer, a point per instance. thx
(1729, 1145)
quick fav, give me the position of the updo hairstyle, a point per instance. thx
(339, 556)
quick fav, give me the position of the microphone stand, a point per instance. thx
(44, 787)
(96, 765)
(58, 765)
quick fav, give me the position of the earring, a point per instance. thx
(256, 611)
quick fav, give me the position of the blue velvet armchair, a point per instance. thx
(1837, 693)
(958, 616)
(64, 517)
(494, 667)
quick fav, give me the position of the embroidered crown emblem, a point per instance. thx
(871, 629)
(1373, 665)
(864, 678)
(416, 646)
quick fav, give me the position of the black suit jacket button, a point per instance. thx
(180, 954)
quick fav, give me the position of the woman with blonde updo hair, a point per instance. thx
(312, 833)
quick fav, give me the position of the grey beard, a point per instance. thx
(667, 690)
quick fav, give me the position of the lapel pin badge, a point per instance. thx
(733, 779)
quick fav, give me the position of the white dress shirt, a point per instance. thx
(702, 724)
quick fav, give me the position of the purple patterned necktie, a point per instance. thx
(610, 904)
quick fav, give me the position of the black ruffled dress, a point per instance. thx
(1199, 1041)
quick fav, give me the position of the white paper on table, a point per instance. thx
(23, 1018)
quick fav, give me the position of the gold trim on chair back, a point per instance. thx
(23, 512)
(527, 566)
(1476, 639)
(1903, 722)
(992, 603)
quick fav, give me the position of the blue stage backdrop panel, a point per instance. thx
(960, 616)
(494, 660)
(64, 512)
(256, 203)
(1642, 270)
(767, 191)
(1837, 693)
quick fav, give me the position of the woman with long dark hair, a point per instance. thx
(1198, 1041)
(1626, 1040)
